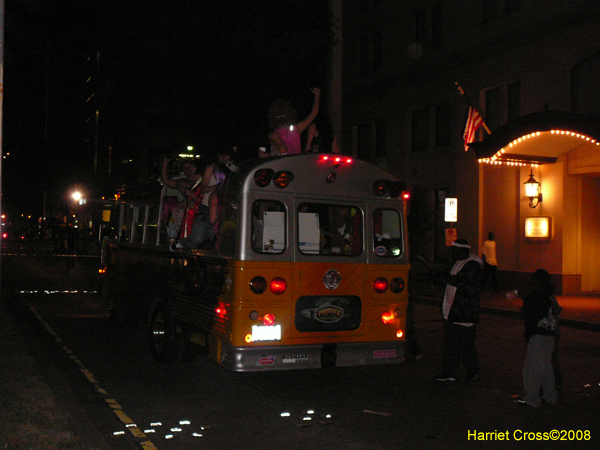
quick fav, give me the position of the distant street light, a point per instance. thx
(76, 196)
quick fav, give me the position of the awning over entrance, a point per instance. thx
(538, 138)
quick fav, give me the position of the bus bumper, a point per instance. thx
(255, 359)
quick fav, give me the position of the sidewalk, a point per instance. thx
(581, 312)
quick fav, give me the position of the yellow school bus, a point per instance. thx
(309, 269)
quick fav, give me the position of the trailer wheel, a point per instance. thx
(163, 339)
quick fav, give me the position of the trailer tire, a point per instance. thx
(165, 345)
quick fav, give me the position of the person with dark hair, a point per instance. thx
(189, 185)
(460, 310)
(320, 137)
(205, 227)
(540, 327)
(285, 137)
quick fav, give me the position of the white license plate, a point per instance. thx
(261, 333)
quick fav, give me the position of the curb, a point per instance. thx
(429, 300)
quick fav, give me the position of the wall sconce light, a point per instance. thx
(533, 191)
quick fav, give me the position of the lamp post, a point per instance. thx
(533, 191)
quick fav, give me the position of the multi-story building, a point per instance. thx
(529, 67)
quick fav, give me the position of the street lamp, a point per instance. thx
(533, 191)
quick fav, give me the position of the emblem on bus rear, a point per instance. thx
(329, 314)
(332, 279)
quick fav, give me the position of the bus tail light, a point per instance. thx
(380, 285)
(397, 285)
(278, 285)
(387, 317)
(283, 179)
(258, 285)
(220, 310)
(268, 320)
(399, 333)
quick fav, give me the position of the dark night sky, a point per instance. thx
(192, 72)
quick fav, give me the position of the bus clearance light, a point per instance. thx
(336, 159)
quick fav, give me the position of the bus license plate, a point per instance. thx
(260, 333)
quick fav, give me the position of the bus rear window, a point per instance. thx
(325, 229)
(387, 238)
(268, 226)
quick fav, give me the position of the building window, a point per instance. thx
(490, 9)
(502, 103)
(381, 130)
(377, 51)
(514, 101)
(437, 25)
(420, 130)
(364, 142)
(443, 128)
(364, 57)
(421, 28)
(512, 5)
(493, 108)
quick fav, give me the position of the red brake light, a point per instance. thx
(380, 285)
(269, 320)
(387, 317)
(278, 285)
(220, 310)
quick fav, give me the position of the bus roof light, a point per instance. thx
(282, 179)
(380, 187)
(396, 188)
(263, 177)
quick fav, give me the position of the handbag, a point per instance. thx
(549, 322)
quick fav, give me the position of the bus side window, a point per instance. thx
(268, 226)
(387, 239)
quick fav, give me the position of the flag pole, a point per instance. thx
(468, 102)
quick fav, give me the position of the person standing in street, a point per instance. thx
(460, 310)
(490, 263)
(540, 328)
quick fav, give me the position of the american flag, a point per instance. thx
(474, 121)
